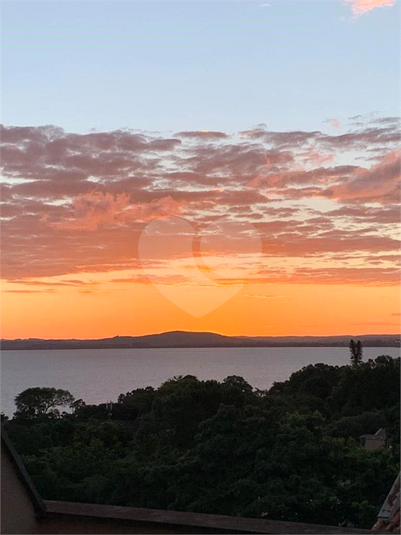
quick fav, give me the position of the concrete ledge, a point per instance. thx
(21, 473)
(139, 520)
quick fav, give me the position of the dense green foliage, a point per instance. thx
(290, 453)
(37, 401)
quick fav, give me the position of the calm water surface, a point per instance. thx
(100, 375)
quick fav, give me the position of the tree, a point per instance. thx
(38, 401)
(356, 352)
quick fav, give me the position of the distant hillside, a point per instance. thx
(202, 339)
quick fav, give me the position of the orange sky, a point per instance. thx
(254, 233)
(287, 309)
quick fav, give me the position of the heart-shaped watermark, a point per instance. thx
(198, 273)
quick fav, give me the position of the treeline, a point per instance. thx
(290, 453)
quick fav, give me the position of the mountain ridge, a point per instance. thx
(177, 339)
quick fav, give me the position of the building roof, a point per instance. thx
(188, 522)
(388, 519)
(381, 434)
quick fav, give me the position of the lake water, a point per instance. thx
(100, 375)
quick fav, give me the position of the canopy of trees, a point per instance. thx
(38, 401)
(290, 453)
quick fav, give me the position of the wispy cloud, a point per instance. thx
(334, 123)
(255, 296)
(46, 290)
(374, 323)
(359, 7)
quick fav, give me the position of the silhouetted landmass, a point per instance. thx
(176, 339)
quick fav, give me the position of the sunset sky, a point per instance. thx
(210, 166)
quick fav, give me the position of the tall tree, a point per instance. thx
(356, 352)
(40, 401)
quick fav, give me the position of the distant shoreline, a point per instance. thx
(182, 339)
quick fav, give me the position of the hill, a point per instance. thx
(201, 339)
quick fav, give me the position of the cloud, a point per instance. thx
(203, 135)
(361, 276)
(375, 323)
(255, 296)
(379, 183)
(359, 7)
(47, 290)
(73, 203)
(334, 123)
(43, 283)
(96, 209)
